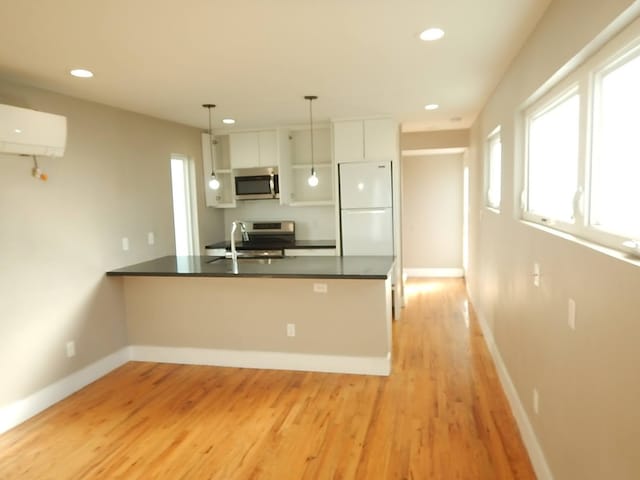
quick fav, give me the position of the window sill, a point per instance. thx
(610, 252)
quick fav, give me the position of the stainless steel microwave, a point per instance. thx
(257, 183)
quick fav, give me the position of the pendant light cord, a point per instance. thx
(209, 106)
(311, 98)
(311, 127)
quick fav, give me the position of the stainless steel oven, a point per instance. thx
(257, 183)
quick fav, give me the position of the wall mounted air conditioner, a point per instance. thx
(29, 132)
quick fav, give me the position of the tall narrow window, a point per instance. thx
(184, 213)
(494, 169)
(616, 161)
(552, 160)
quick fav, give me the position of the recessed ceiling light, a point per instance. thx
(228, 121)
(81, 73)
(431, 34)
(432, 106)
(17, 130)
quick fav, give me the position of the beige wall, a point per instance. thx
(353, 318)
(432, 213)
(58, 238)
(587, 379)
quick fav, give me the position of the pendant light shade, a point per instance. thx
(214, 183)
(313, 178)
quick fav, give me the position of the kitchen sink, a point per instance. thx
(247, 261)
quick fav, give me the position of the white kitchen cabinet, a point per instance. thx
(372, 139)
(224, 197)
(295, 167)
(254, 149)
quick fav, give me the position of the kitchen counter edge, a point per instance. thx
(327, 267)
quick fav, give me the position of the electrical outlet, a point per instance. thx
(151, 238)
(71, 349)
(536, 274)
(125, 243)
(536, 401)
(291, 329)
(572, 314)
(320, 287)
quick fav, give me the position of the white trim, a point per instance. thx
(265, 360)
(536, 455)
(423, 152)
(21, 410)
(433, 272)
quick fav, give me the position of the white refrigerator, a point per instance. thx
(366, 208)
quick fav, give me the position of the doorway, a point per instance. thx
(433, 214)
(184, 206)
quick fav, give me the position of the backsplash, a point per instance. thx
(312, 223)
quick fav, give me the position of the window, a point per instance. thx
(582, 154)
(184, 212)
(552, 168)
(616, 160)
(494, 169)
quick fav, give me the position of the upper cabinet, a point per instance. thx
(369, 139)
(254, 149)
(224, 197)
(295, 167)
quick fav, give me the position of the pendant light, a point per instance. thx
(313, 178)
(214, 183)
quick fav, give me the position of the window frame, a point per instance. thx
(546, 103)
(494, 135)
(584, 80)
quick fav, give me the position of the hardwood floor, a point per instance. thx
(440, 415)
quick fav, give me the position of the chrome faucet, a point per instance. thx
(245, 237)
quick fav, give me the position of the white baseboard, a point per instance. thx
(21, 410)
(536, 455)
(433, 272)
(268, 360)
(14, 414)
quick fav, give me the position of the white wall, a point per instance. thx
(587, 379)
(432, 213)
(58, 238)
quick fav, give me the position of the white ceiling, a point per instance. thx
(256, 59)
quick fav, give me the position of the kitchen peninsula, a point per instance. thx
(323, 313)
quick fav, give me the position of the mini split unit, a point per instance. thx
(29, 132)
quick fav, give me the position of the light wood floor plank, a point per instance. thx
(440, 415)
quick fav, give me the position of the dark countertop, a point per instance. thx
(297, 244)
(364, 268)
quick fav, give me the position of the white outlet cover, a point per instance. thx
(151, 238)
(125, 243)
(291, 329)
(572, 314)
(320, 287)
(71, 349)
